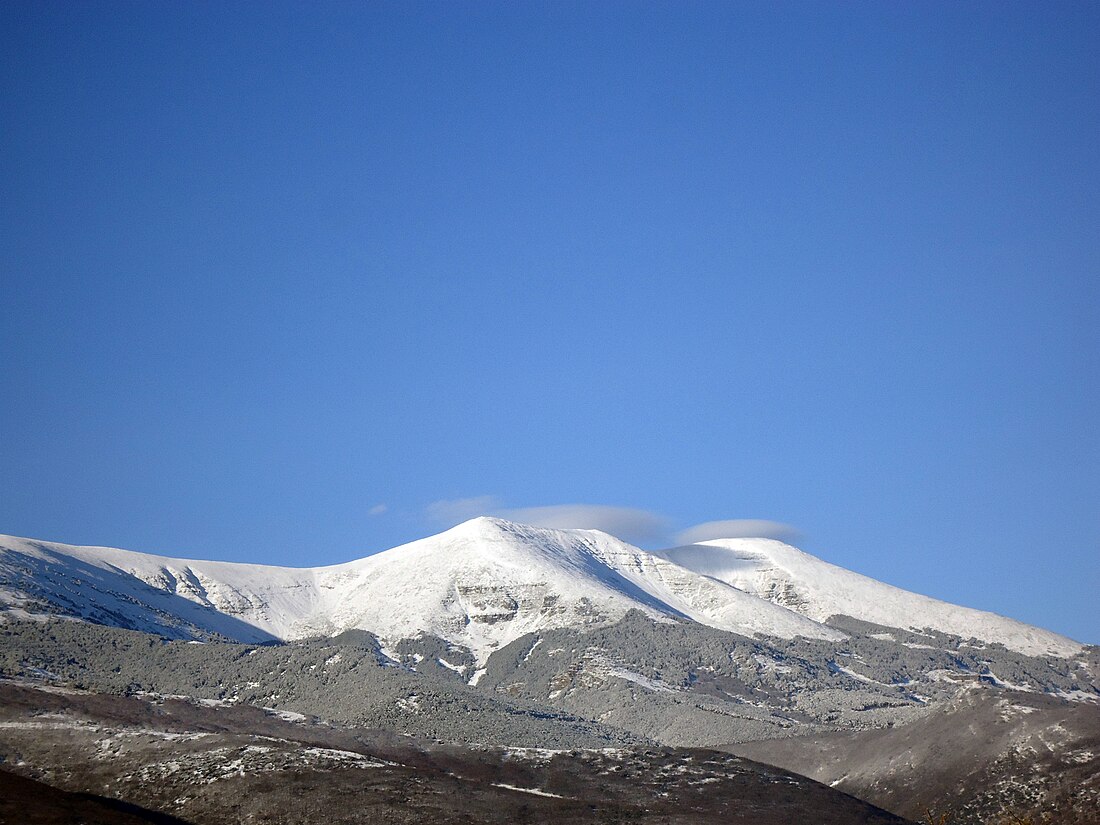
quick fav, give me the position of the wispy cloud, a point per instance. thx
(377, 509)
(452, 511)
(737, 529)
(627, 523)
(631, 524)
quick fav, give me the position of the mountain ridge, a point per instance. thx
(481, 585)
(819, 590)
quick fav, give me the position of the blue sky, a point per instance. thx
(291, 283)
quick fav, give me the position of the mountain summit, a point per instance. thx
(482, 585)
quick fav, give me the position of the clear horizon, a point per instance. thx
(290, 284)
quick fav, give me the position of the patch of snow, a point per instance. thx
(539, 756)
(990, 676)
(287, 715)
(944, 675)
(337, 755)
(393, 656)
(1077, 696)
(859, 677)
(459, 669)
(55, 724)
(531, 650)
(655, 685)
(766, 664)
(534, 791)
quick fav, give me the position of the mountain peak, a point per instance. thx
(485, 526)
(484, 583)
(480, 526)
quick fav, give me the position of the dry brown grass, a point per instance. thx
(948, 817)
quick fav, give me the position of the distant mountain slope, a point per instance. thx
(975, 746)
(227, 765)
(980, 756)
(481, 585)
(818, 590)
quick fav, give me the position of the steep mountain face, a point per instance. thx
(482, 585)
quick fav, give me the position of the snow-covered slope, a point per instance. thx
(787, 576)
(481, 585)
(175, 597)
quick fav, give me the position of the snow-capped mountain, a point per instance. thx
(481, 585)
(816, 589)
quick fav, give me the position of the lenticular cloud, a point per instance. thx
(739, 528)
(626, 523)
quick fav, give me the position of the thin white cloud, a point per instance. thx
(739, 528)
(630, 524)
(452, 511)
(627, 523)
(377, 510)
